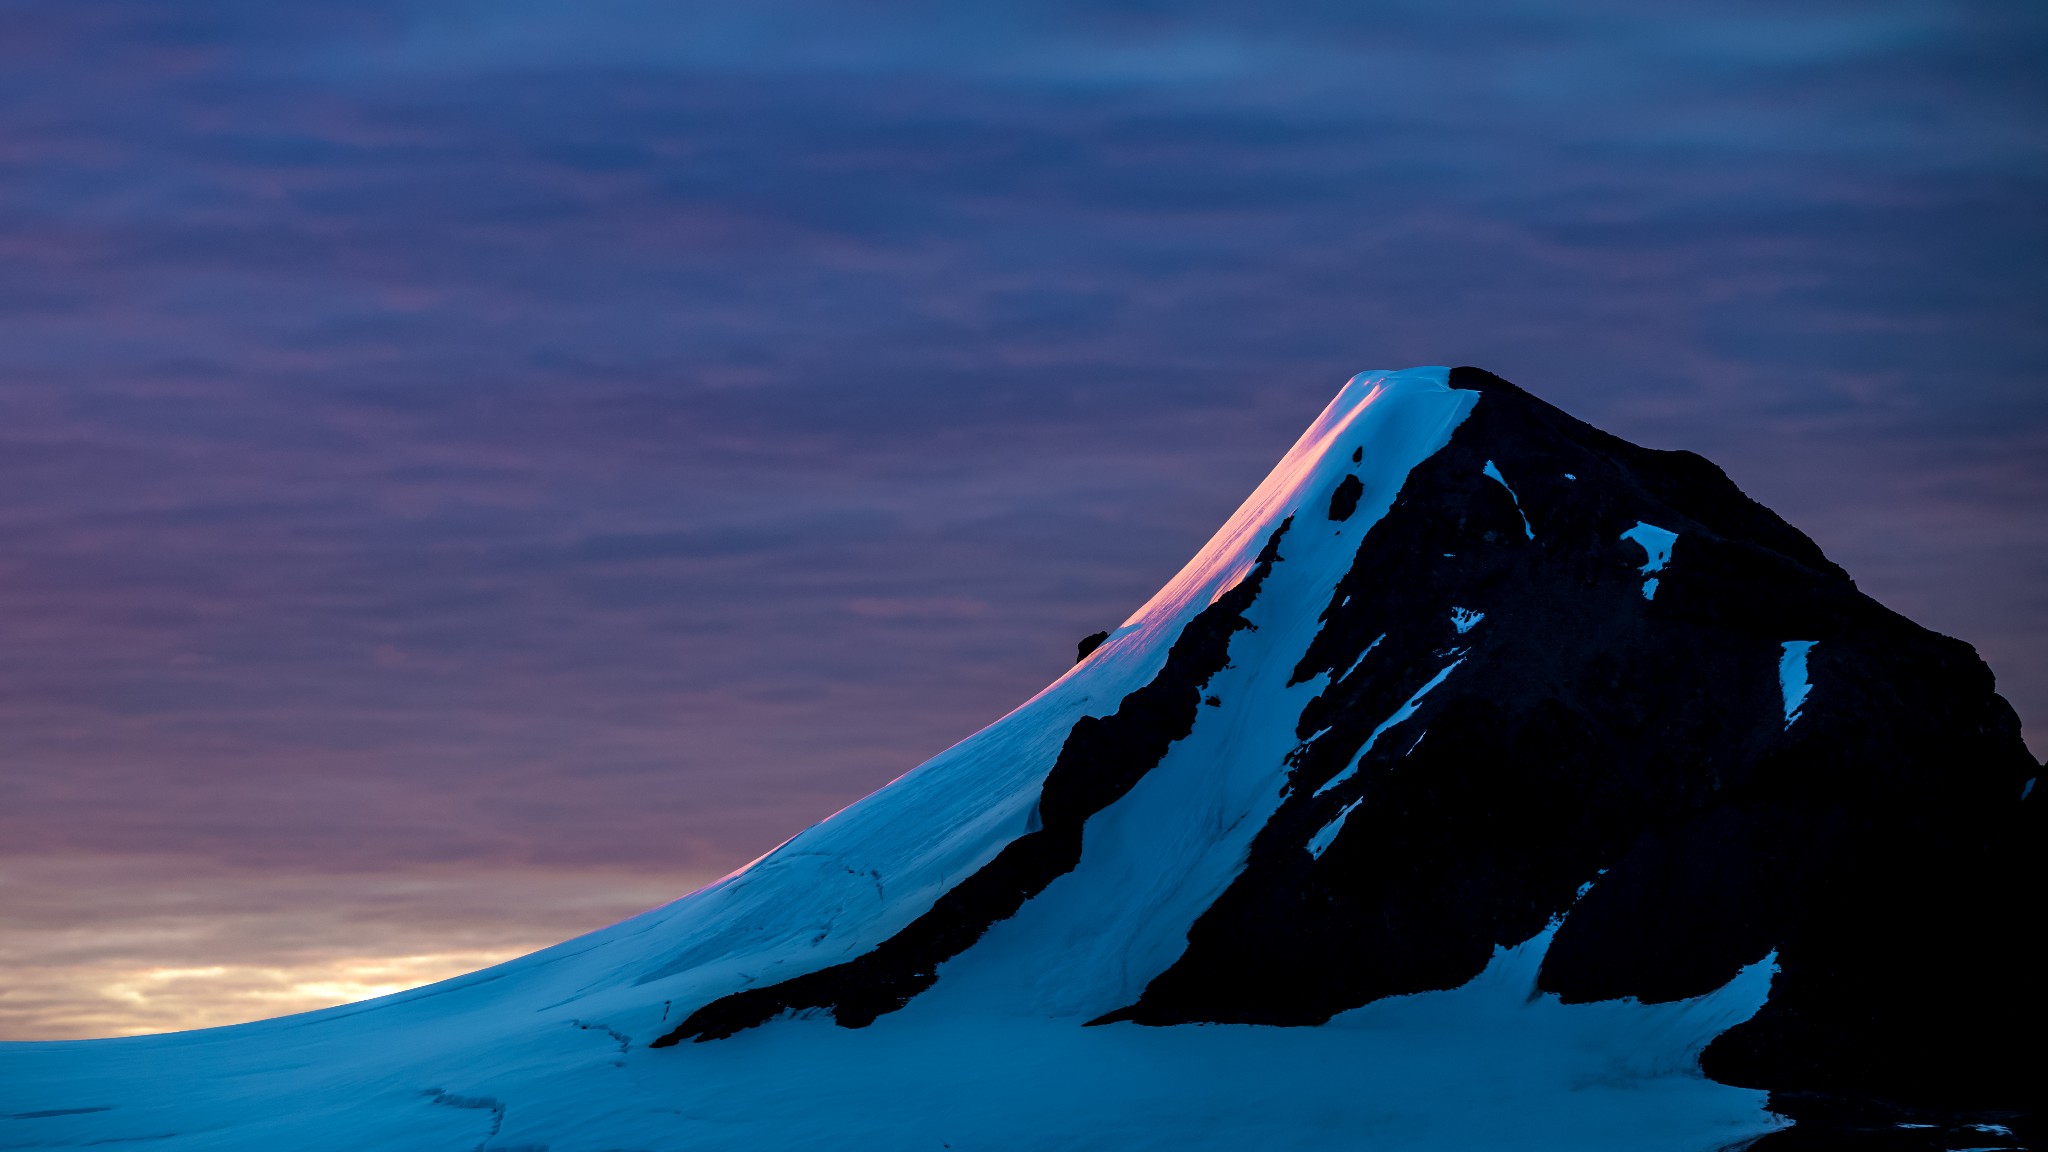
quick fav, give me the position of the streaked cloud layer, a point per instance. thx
(446, 447)
(172, 942)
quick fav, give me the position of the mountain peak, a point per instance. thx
(1473, 722)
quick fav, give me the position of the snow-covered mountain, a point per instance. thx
(1483, 778)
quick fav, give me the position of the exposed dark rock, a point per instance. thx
(1089, 643)
(1102, 759)
(1826, 1124)
(1344, 501)
(1591, 734)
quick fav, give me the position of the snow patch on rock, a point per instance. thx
(1494, 472)
(1792, 677)
(1657, 544)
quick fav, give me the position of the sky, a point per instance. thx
(471, 472)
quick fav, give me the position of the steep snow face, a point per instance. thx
(1155, 859)
(846, 885)
(1391, 421)
(842, 886)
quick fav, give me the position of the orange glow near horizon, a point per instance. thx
(160, 949)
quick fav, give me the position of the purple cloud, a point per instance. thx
(610, 439)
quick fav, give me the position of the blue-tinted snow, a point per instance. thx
(1153, 861)
(1464, 618)
(1320, 842)
(1491, 1065)
(1588, 886)
(1400, 714)
(799, 908)
(1361, 659)
(1657, 544)
(1792, 677)
(1494, 472)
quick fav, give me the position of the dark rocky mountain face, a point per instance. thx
(1582, 682)
(1596, 735)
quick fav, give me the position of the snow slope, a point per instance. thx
(552, 1050)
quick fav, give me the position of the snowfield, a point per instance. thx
(474, 1065)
